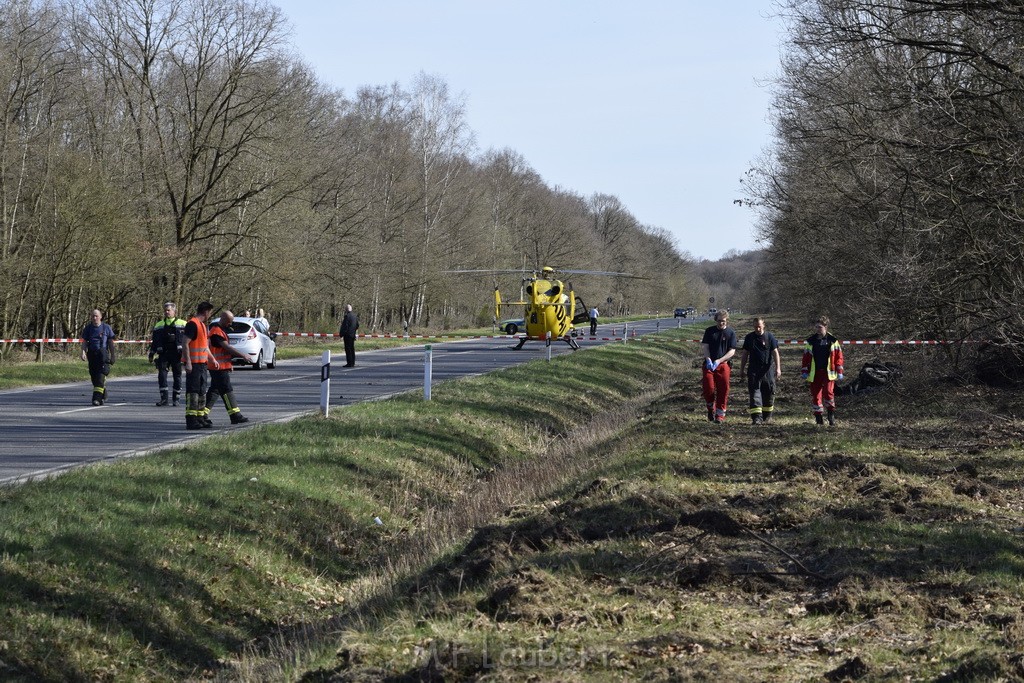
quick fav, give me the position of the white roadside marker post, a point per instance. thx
(325, 384)
(428, 370)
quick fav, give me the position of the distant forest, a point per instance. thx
(172, 150)
(179, 150)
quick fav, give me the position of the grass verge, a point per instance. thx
(888, 548)
(167, 567)
(578, 520)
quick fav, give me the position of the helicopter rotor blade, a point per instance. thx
(539, 272)
(517, 271)
(606, 273)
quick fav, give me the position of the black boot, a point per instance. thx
(238, 418)
(832, 418)
(174, 399)
(711, 415)
(192, 422)
(819, 418)
(163, 399)
(766, 418)
(756, 419)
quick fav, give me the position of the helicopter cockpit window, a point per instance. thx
(555, 289)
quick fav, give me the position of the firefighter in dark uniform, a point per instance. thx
(761, 366)
(98, 350)
(194, 356)
(221, 353)
(168, 339)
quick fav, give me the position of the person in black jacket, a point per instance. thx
(761, 366)
(168, 338)
(349, 325)
(718, 346)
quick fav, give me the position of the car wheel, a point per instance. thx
(511, 328)
(272, 363)
(258, 365)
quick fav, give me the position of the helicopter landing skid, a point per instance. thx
(572, 343)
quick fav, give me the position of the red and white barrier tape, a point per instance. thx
(67, 340)
(329, 335)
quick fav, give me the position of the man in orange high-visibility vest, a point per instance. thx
(194, 356)
(221, 353)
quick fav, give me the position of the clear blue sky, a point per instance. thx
(661, 103)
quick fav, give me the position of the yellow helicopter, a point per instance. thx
(550, 305)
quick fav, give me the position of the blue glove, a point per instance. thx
(714, 366)
(840, 376)
(804, 376)
(709, 365)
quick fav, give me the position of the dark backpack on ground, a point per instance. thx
(873, 377)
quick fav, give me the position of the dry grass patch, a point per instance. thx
(884, 549)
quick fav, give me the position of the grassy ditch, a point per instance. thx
(169, 566)
(890, 547)
(578, 520)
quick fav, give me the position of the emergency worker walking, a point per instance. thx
(221, 353)
(194, 356)
(98, 350)
(168, 339)
(761, 366)
(349, 325)
(718, 345)
(593, 321)
(822, 365)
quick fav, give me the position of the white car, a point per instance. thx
(252, 337)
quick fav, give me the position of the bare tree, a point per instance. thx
(441, 142)
(202, 86)
(894, 189)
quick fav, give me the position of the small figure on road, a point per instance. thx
(822, 365)
(221, 353)
(719, 346)
(349, 325)
(194, 356)
(761, 366)
(98, 350)
(593, 321)
(168, 338)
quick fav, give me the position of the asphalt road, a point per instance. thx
(49, 429)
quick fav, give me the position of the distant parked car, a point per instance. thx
(252, 337)
(679, 313)
(513, 325)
